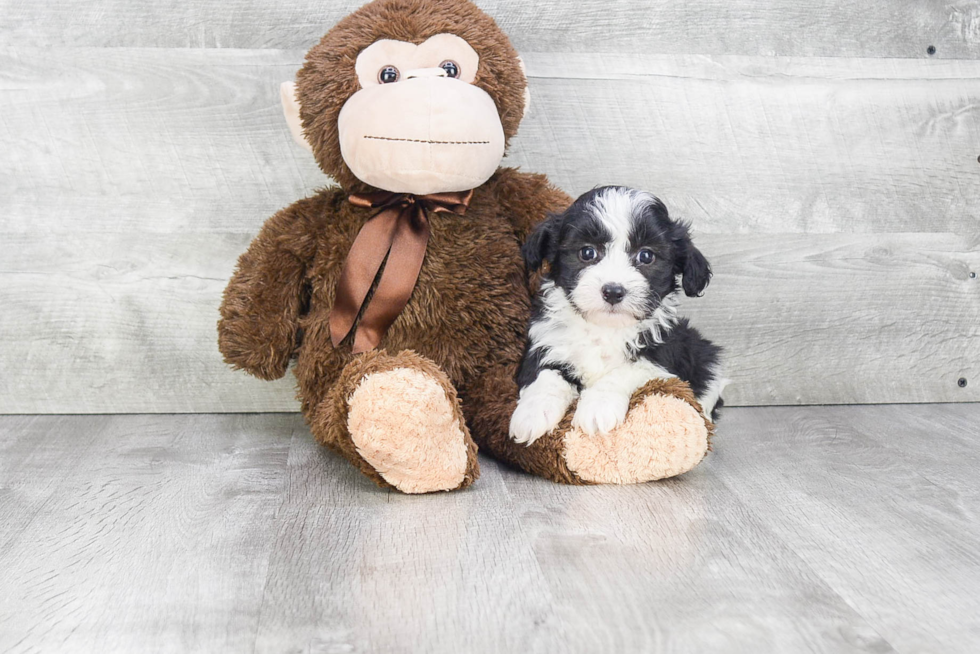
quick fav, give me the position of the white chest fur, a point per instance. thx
(592, 351)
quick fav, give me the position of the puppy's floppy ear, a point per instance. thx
(690, 264)
(697, 272)
(542, 244)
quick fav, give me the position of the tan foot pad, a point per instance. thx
(403, 424)
(662, 436)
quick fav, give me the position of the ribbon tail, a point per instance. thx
(396, 284)
(367, 253)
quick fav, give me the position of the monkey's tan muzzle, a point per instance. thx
(445, 136)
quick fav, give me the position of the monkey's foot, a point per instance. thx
(405, 422)
(664, 435)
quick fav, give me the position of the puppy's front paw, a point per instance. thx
(600, 411)
(532, 420)
(541, 407)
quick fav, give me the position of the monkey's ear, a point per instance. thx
(290, 109)
(527, 87)
(542, 244)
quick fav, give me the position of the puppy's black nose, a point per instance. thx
(613, 293)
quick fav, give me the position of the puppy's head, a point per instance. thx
(617, 255)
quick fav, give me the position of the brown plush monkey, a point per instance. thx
(402, 293)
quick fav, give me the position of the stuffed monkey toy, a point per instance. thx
(401, 292)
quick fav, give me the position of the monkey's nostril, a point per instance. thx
(613, 293)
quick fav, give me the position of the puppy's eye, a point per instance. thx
(646, 256)
(587, 253)
(388, 74)
(451, 68)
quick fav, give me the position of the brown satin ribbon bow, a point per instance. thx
(400, 232)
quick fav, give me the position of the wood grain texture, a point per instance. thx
(843, 318)
(193, 140)
(132, 179)
(108, 323)
(103, 323)
(354, 564)
(128, 531)
(144, 141)
(689, 545)
(752, 27)
(880, 501)
(760, 145)
(819, 529)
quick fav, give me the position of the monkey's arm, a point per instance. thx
(528, 199)
(262, 303)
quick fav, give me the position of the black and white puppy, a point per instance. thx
(604, 322)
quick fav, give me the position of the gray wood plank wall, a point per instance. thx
(828, 163)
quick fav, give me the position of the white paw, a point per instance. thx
(542, 406)
(599, 412)
(532, 420)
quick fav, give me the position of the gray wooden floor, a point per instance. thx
(819, 529)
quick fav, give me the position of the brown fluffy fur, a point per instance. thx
(466, 321)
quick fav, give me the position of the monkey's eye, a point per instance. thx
(451, 68)
(646, 256)
(587, 253)
(388, 74)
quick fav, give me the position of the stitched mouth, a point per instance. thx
(388, 138)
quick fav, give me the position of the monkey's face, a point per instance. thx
(410, 96)
(418, 124)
